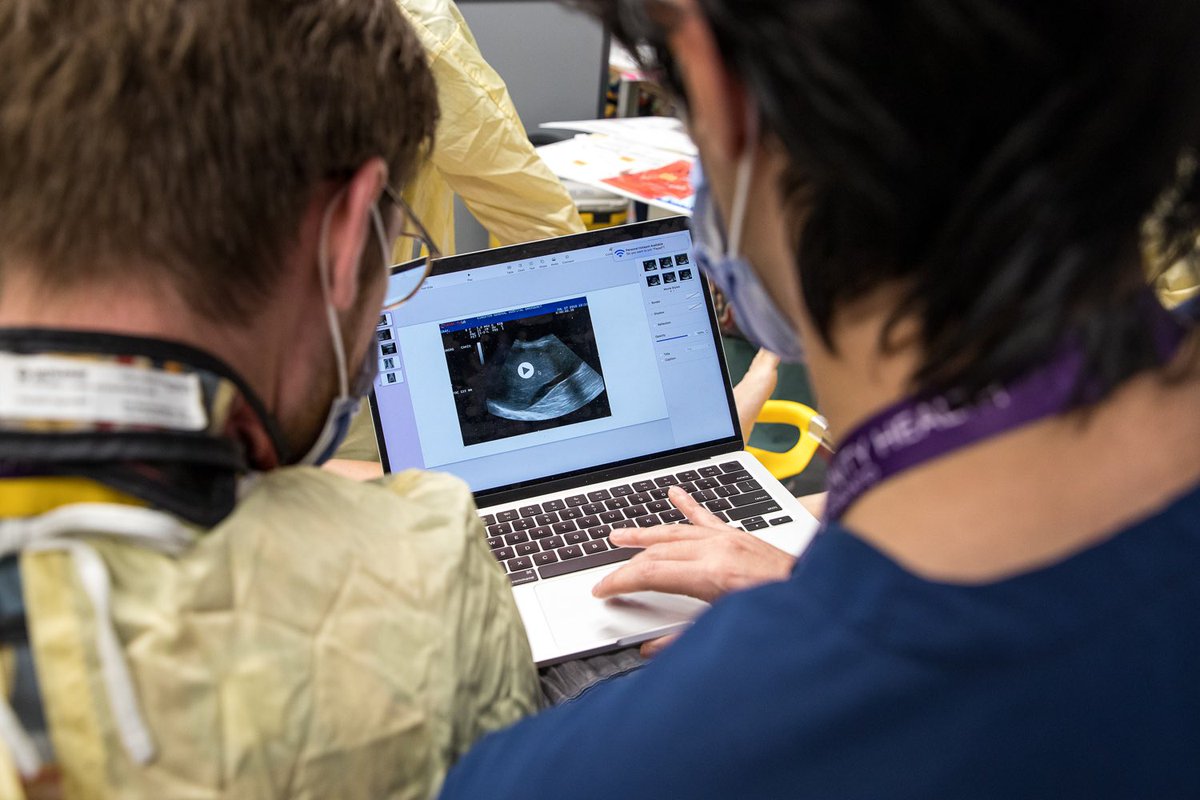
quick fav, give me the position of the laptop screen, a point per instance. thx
(540, 361)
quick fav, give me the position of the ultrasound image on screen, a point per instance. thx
(525, 370)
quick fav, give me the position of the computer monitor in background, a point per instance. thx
(554, 59)
(555, 63)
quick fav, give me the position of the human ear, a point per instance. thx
(350, 230)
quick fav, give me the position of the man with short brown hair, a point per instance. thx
(196, 205)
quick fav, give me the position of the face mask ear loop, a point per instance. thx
(335, 331)
(741, 191)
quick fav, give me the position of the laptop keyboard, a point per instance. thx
(570, 533)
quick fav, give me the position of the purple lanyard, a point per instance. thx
(917, 430)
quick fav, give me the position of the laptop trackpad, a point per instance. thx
(580, 622)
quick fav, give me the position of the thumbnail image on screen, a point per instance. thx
(525, 370)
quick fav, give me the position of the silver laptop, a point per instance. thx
(570, 382)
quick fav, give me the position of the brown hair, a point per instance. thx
(179, 139)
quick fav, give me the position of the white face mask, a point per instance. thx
(342, 408)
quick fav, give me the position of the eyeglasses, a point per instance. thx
(417, 252)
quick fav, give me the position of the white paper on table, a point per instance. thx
(666, 133)
(591, 158)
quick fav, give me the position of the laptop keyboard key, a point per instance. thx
(516, 538)
(688, 487)
(499, 529)
(674, 515)
(749, 486)
(575, 537)
(540, 532)
(599, 532)
(542, 559)
(576, 500)
(598, 495)
(527, 549)
(648, 521)
(726, 491)
(553, 543)
(507, 516)
(593, 508)
(615, 503)
(731, 466)
(707, 483)
(530, 511)
(730, 478)
(595, 546)
(703, 496)
(639, 499)
(658, 506)
(643, 486)
(709, 472)
(546, 519)
(755, 526)
(523, 524)
(718, 505)
(564, 527)
(553, 505)
(518, 578)
(495, 542)
(574, 551)
(504, 554)
(570, 513)
(632, 511)
(756, 510)
(489, 519)
(659, 494)
(587, 562)
(612, 517)
(587, 522)
(688, 476)
(520, 564)
(666, 480)
(781, 520)
(622, 490)
(625, 523)
(754, 497)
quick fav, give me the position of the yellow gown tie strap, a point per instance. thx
(30, 497)
(55, 525)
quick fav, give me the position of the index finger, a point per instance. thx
(693, 510)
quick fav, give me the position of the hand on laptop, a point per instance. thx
(706, 559)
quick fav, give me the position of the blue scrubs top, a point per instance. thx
(857, 679)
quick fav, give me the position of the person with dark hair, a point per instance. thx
(944, 202)
(198, 203)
